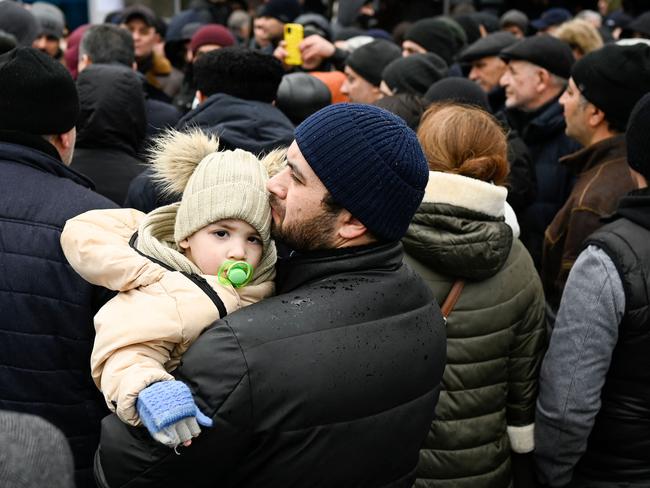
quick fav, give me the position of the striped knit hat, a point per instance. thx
(370, 161)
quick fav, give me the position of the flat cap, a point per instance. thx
(544, 51)
(490, 45)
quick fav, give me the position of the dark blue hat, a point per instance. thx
(283, 10)
(370, 161)
(550, 17)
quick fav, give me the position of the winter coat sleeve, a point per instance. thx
(136, 333)
(524, 362)
(96, 244)
(215, 369)
(575, 367)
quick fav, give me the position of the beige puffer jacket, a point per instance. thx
(144, 330)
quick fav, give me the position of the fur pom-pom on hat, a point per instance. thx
(175, 155)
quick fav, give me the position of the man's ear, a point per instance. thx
(351, 227)
(543, 80)
(67, 140)
(596, 116)
(83, 63)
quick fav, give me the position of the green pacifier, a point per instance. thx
(235, 273)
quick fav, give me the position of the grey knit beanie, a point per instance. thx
(34, 453)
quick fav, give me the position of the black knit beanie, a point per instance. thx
(458, 90)
(614, 78)
(414, 74)
(434, 35)
(637, 137)
(34, 453)
(37, 94)
(370, 162)
(369, 60)
(239, 72)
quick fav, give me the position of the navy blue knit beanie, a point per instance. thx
(370, 161)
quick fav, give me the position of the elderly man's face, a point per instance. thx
(144, 37)
(300, 218)
(521, 81)
(487, 72)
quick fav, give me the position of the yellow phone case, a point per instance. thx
(293, 36)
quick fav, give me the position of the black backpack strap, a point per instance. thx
(194, 278)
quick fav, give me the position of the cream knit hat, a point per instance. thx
(215, 185)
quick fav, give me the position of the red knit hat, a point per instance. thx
(211, 34)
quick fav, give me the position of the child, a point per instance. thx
(165, 264)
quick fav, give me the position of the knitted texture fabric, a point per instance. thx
(370, 161)
(37, 94)
(636, 137)
(34, 453)
(415, 73)
(225, 185)
(211, 34)
(614, 78)
(165, 403)
(369, 60)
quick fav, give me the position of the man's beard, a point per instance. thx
(313, 234)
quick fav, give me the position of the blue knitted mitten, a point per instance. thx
(168, 411)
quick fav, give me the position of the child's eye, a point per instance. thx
(255, 240)
(220, 233)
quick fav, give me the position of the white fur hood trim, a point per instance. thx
(469, 193)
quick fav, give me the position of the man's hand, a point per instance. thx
(314, 49)
(168, 411)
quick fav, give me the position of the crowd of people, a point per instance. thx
(415, 257)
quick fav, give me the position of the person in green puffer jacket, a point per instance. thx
(496, 332)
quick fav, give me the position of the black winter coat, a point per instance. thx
(110, 129)
(240, 124)
(543, 133)
(46, 326)
(331, 383)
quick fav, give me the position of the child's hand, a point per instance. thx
(168, 411)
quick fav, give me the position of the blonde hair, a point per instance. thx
(464, 140)
(581, 35)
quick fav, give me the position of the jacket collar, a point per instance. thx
(540, 124)
(461, 191)
(635, 206)
(591, 156)
(300, 269)
(33, 150)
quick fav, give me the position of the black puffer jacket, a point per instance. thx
(241, 124)
(110, 129)
(46, 329)
(332, 383)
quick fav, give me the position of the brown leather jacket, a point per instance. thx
(603, 177)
